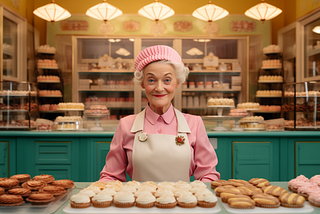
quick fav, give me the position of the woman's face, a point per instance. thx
(160, 83)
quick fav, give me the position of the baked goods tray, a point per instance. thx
(27, 208)
(307, 208)
(134, 209)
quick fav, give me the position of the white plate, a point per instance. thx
(134, 209)
(306, 209)
(254, 129)
(221, 106)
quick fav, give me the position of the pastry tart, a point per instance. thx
(21, 177)
(45, 178)
(259, 182)
(40, 198)
(11, 200)
(8, 183)
(241, 202)
(265, 200)
(54, 190)
(24, 192)
(65, 183)
(33, 185)
(291, 200)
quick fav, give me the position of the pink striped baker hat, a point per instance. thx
(155, 53)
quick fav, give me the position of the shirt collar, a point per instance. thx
(152, 117)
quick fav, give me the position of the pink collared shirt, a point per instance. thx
(119, 158)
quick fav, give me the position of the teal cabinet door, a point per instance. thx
(58, 157)
(256, 159)
(307, 158)
(103, 147)
(4, 154)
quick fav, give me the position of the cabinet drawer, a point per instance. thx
(53, 153)
(307, 158)
(57, 171)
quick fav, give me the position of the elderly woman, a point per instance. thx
(160, 143)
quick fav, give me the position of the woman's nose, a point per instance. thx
(159, 86)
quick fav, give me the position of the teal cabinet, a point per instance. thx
(58, 157)
(256, 159)
(307, 158)
(7, 157)
(103, 147)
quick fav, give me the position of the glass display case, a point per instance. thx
(301, 106)
(18, 106)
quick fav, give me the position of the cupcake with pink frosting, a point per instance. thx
(314, 199)
(297, 181)
(307, 189)
(315, 179)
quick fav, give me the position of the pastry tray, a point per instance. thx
(134, 209)
(27, 208)
(307, 208)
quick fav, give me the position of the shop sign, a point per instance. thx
(243, 26)
(74, 25)
(131, 26)
(182, 26)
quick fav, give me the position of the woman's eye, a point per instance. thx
(167, 80)
(150, 80)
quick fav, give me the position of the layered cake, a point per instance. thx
(62, 106)
(238, 112)
(97, 110)
(248, 105)
(220, 102)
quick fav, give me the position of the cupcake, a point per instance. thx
(309, 188)
(80, 201)
(124, 199)
(266, 201)
(108, 191)
(291, 200)
(101, 200)
(187, 201)
(161, 192)
(207, 200)
(197, 183)
(146, 200)
(314, 199)
(90, 193)
(166, 202)
(177, 193)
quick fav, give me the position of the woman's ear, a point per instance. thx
(142, 85)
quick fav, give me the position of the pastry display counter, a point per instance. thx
(309, 209)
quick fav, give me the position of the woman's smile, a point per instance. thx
(159, 95)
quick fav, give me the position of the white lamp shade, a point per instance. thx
(316, 29)
(210, 12)
(263, 11)
(156, 11)
(103, 11)
(52, 12)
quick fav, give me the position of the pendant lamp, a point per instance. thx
(263, 11)
(103, 11)
(156, 11)
(52, 12)
(210, 12)
(316, 29)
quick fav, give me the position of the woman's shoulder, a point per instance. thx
(191, 117)
(127, 121)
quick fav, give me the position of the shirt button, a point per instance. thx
(160, 130)
(159, 118)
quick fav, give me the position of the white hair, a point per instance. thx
(181, 71)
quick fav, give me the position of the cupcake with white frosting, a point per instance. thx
(145, 201)
(108, 191)
(207, 200)
(88, 192)
(124, 199)
(102, 200)
(166, 201)
(161, 192)
(187, 201)
(80, 201)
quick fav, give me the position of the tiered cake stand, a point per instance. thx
(220, 118)
(97, 118)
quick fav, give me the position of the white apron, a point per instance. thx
(159, 158)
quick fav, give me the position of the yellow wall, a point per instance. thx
(25, 8)
(306, 6)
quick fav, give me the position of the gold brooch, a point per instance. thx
(180, 140)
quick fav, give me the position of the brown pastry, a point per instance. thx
(65, 183)
(33, 185)
(8, 183)
(21, 177)
(24, 192)
(241, 202)
(259, 182)
(11, 200)
(2, 191)
(40, 198)
(274, 190)
(221, 189)
(54, 190)
(291, 200)
(45, 178)
(217, 183)
(246, 190)
(226, 195)
(266, 200)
